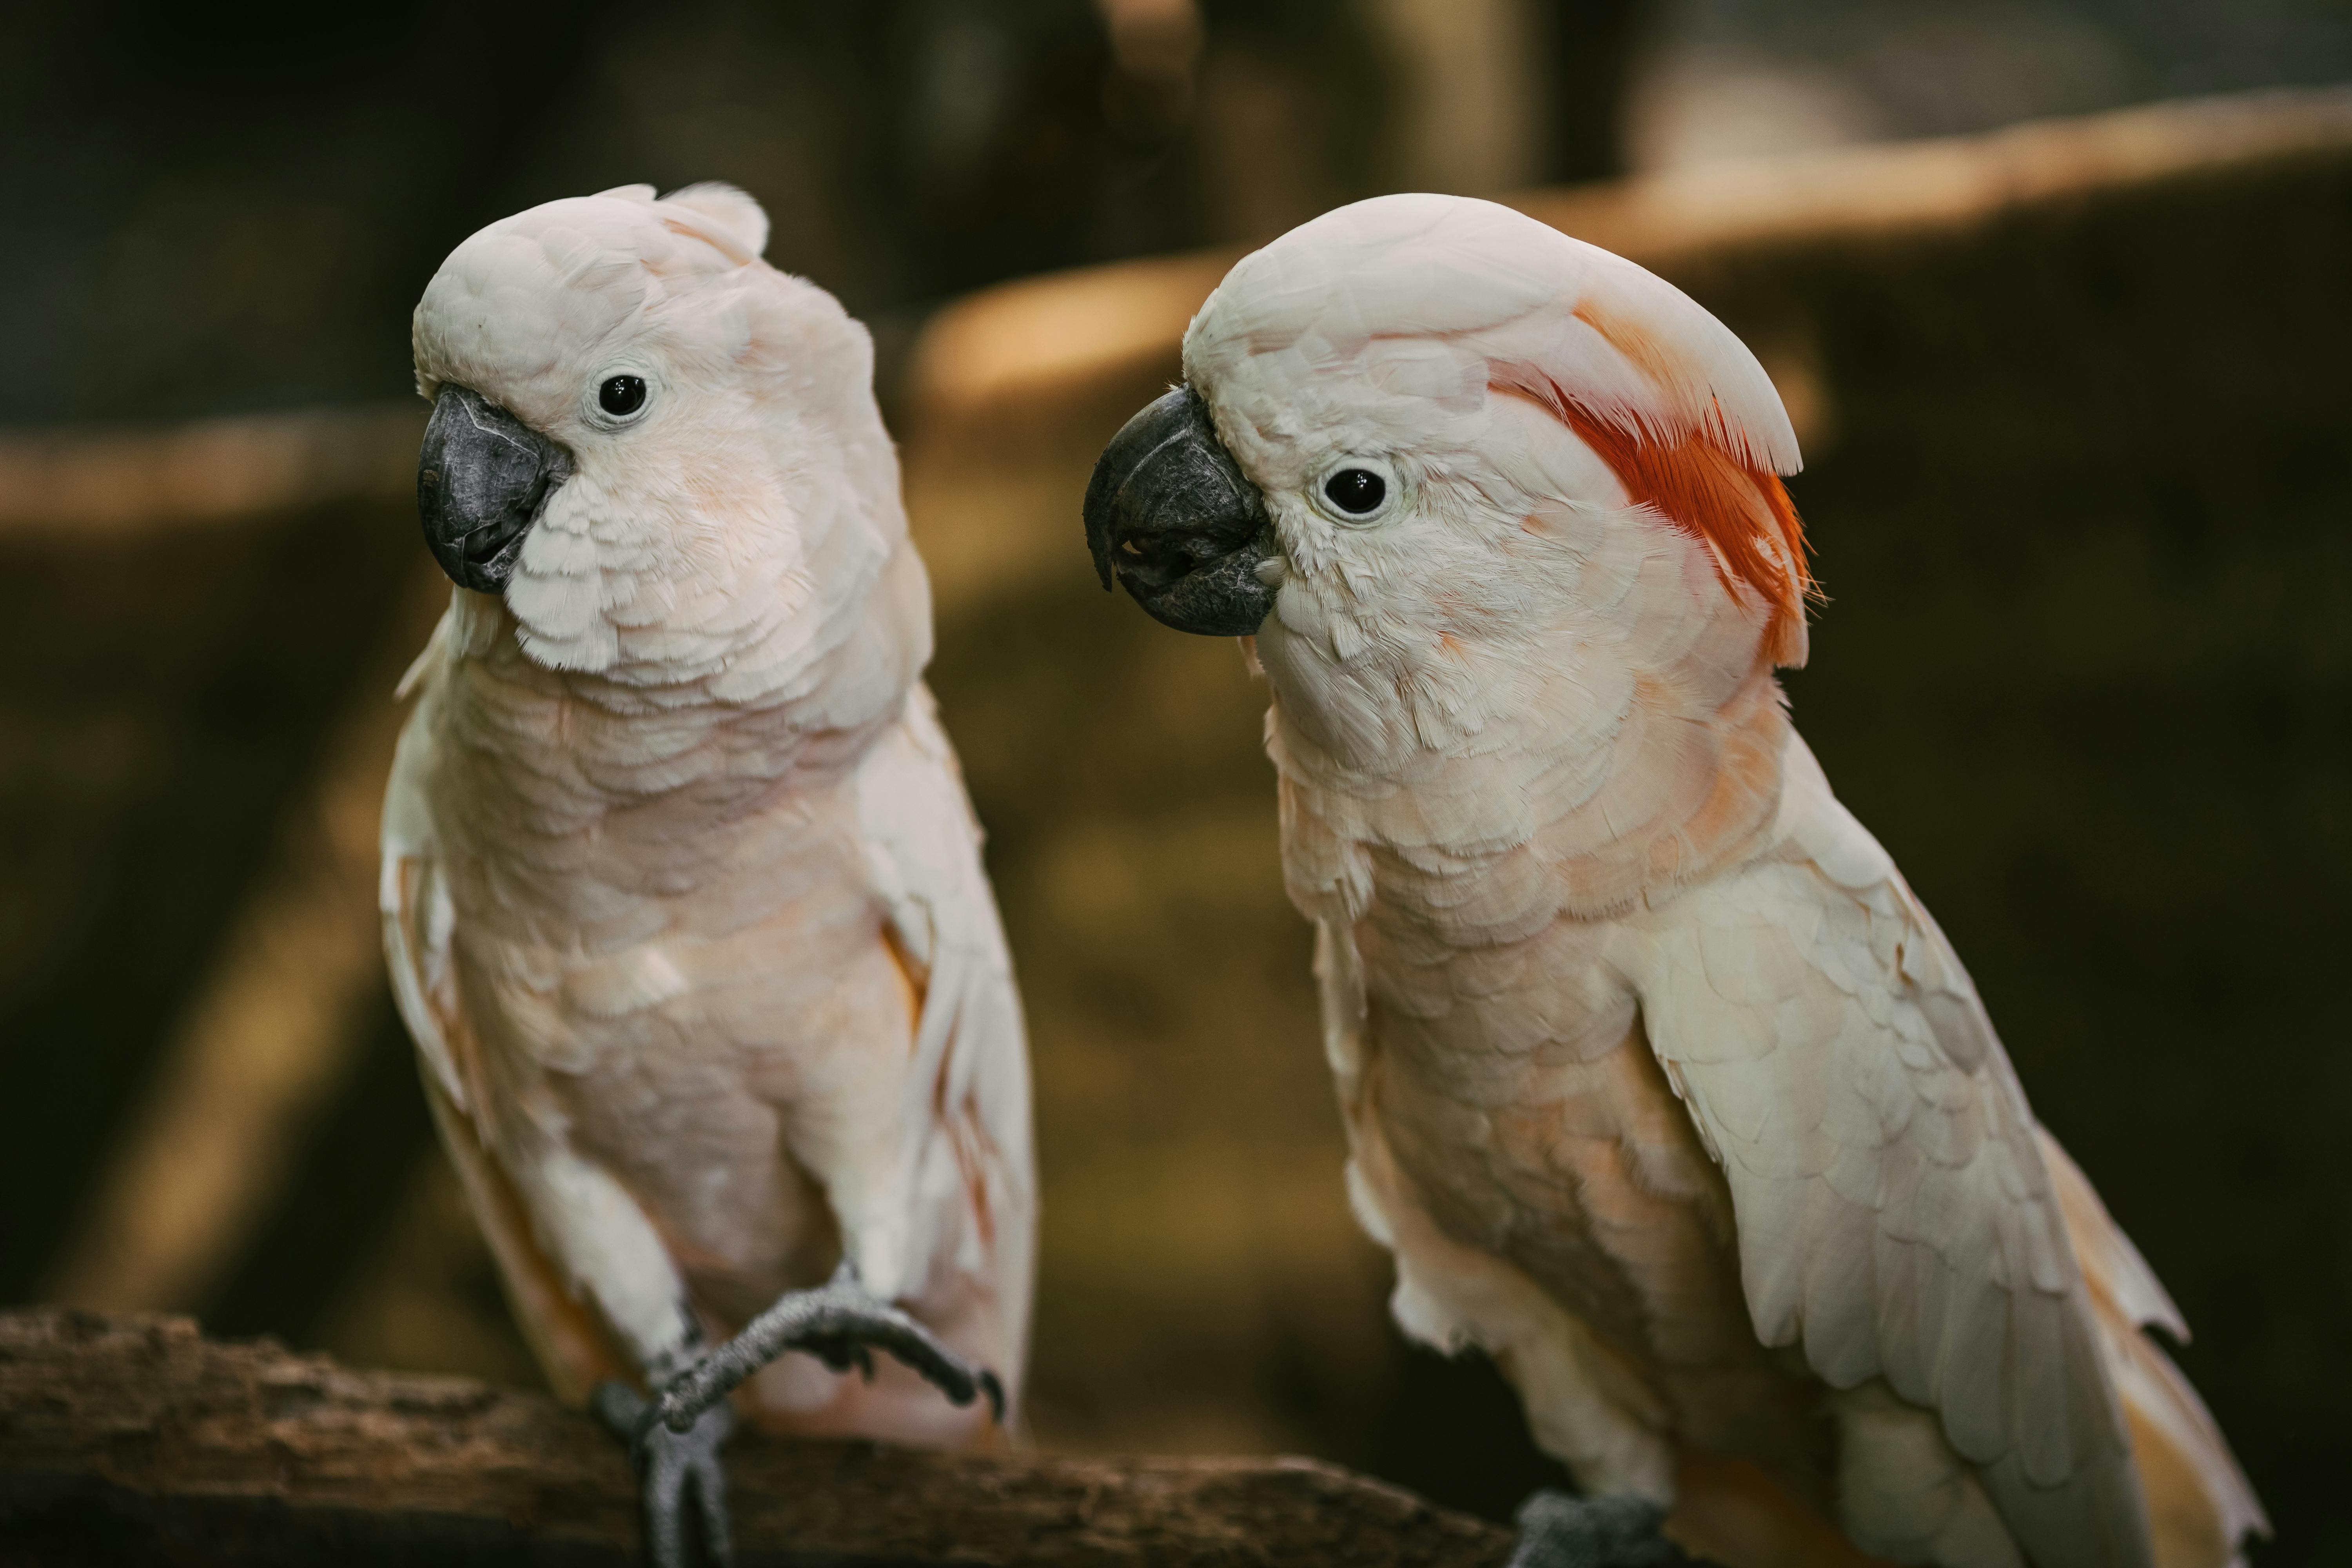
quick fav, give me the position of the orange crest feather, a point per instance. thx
(1702, 481)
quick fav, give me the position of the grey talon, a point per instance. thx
(1556, 1531)
(840, 1323)
(681, 1482)
(619, 1407)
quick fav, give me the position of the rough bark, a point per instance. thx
(135, 1440)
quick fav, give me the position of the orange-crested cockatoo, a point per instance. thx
(1659, 1084)
(682, 895)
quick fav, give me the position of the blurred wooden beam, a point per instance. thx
(137, 1441)
(130, 482)
(998, 354)
(1950, 185)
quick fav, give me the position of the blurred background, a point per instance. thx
(2077, 406)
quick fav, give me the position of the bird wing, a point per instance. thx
(2200, 1506)
(970, 1086)
(1895, 1212)
(419, 928)
(413, 897)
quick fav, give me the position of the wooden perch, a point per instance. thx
(135, 1440)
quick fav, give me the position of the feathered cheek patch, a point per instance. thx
(1701, 482)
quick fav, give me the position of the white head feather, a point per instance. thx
(1361, 288)
(1561, 431)
(731, 529)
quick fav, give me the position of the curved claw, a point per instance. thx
(844, 1355)
(680, 1476)
(990, 1386)
(620, 1408)
(840, 1324)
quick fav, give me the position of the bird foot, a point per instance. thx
(1556, 1531)
(840, 1323)
(678, 1475)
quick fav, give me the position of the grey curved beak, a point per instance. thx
(1171, 516)
(481, 478)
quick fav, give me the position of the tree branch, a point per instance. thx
(136, 1440)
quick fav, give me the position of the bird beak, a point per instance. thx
(1170, 514)
(481, 480)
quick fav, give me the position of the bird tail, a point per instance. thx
(2200, 1506)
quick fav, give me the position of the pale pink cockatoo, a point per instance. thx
(1659, 1084)
(682, 896)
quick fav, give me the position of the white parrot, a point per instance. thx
(682, 895)
(1659, 1084)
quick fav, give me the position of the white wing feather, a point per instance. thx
(970, 1078)
(1896, 1216)
(411, 897)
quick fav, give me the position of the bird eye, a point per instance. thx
(622, 395)
(1356, 490)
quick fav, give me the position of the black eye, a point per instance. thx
(622, 395)
(1356, 490)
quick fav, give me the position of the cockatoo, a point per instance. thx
(1659, 1084)
(682, 895)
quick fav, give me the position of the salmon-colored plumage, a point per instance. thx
(682, 896)
(1661, 1085)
